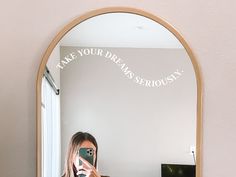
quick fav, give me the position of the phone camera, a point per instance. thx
(90, 152)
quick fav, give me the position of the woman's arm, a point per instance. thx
(87, 169)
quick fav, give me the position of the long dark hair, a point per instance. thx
(75, 141)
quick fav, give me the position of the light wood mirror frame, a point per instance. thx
(93, 13)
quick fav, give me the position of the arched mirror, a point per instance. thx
(130, 80)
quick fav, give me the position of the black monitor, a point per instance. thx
(178, 170)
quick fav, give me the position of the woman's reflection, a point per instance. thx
(81, 160)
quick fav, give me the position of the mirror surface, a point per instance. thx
(129, 82)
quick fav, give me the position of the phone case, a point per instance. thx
(87, 154)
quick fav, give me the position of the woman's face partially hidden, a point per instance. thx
(85, 144)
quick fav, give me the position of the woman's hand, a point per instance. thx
(87, 169)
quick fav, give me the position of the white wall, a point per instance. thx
(27, 28)
(52, 62)
(137, 128)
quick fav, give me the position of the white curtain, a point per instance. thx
(51, 145)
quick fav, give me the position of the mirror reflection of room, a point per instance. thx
(129, 82)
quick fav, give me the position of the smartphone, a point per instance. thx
(87, 154)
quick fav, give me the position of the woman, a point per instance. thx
(72, 168)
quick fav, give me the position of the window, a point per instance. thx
(51, 145)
